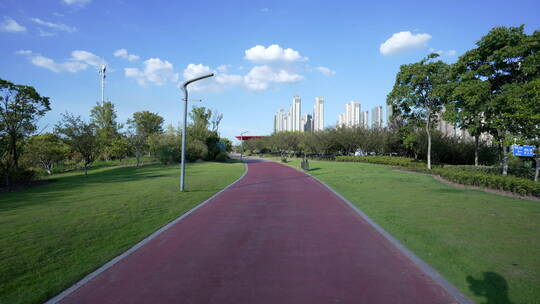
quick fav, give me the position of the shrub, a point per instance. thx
(222, 157)
(481, 176)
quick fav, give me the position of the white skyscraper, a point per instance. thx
(318, 114)
(279, 124)
(388, 115)
(365, 120)
(296, 124)
(352, 113)
(376, 117)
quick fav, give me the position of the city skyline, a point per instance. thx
(260, 52)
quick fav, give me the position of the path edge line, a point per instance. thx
(141, 243)
(428, 270)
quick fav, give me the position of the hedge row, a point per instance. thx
(467, 176)
(507, 183)
(383, 160)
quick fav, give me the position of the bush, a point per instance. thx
(383, 160)
(507, 183)
(481, 176)
(222, 157)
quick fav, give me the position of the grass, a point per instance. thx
(487, 245)
(53, 235)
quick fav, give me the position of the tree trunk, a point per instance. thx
(504, 161)
(536, 172)
(85, 169)
(138, 157)
(428, 123)
(476, 140)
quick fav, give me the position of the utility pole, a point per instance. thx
(102, 71)
(184, 129)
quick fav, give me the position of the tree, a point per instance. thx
(46, 150)
(420, 92)
(146, 123)
(20, 108)
(80, 136)
(108, 129)
(501, 65)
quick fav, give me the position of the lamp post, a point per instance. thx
(242, 145)
(183, 162)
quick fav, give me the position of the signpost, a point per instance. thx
(527, 151)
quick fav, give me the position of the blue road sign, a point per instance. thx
(523, 150)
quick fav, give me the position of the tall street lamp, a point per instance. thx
(183, 164)
(242, 145)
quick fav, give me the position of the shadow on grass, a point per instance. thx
(492, 286)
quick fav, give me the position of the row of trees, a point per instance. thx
(492, 89)
(348, 141)
(101, 137)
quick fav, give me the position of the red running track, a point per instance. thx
(276, 236)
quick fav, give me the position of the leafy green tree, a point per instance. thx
(420, 92)
(108, 129)
(490, 76)
(146, 123)
(20, 108)
(46, 150)
(119, 147)
(80, 136)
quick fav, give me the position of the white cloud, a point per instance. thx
(123, 53)
(10, 25)
(79, 60)
(260, 77)
(403, 42)
(273, 54)
(23, 52)
(155, 71)
(326, 71)
(223, 68)
(48, 63)
(76, 2)
(448, 53)
(43, 33)
(55, 26)
(87, 58)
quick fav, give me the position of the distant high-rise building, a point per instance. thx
(376, 117)
(307, 123)
(352, 115)
(365, 120)
(279, 125)
(388, 115)
(296, 124)
(318, 114)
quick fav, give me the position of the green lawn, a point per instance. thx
(53, 235)
(487, 245)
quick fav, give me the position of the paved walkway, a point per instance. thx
(276, 236)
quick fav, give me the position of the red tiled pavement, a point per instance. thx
(276, 236)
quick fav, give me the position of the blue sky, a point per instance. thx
(263, 52)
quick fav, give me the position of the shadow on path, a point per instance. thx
(492, 286)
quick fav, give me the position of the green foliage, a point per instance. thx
(146, 123)
(46, 150)
(108, 129)
(20, 108)
(80, 136)
(467, 175)
(383, 160)
(222, 157)
(420, 92)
